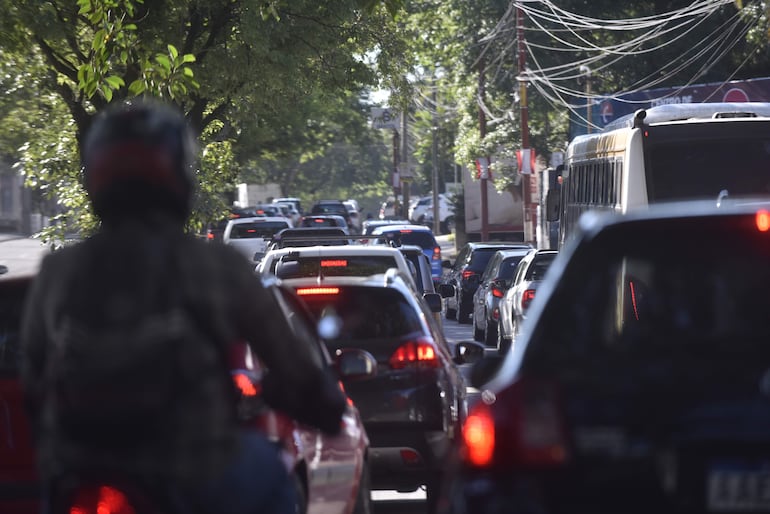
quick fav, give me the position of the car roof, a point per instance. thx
(396, 227)
(257, 219)
(499, 244)
(392, 278)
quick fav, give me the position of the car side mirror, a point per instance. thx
(354, 363)
(446, 290)
(446, 264)
(433, 300)
(468, 352)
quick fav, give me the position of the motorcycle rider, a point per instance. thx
(137, 162)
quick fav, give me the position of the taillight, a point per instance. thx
(526, 298)
(306, 291)
(101, 499)
(210, 235)
(523, 428)
(763, 220)
(245, 384)
(468, 274)
(436, 253)
(497, 292)
(496, 313)
(420, 353)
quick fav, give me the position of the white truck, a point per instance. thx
(248, 195)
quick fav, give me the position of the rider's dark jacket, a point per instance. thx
(111, 272)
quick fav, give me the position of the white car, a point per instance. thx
(347, 260)
(250, 236)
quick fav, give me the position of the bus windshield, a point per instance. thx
(698, 161)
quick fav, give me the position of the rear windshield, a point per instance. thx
(330, 209)
(367, 312)
(480, 258)
(539, 266)
(346, 266)
(508, 267)
(320, 222)
(264, 230)
(424, 240)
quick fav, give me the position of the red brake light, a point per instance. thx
(334, 263)
(245, 385)
(420, 353)
(251, 230)
(303, 291)
(479, 436)
(318, 220)
(763, 220)
(533, 424)
(436, 253)
(526, 298)
(210, 235)
(101, 499)
(468, 273)
(497, 292)
(405, 231)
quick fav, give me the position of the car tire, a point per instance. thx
(478, 333)
(433, 493)
(463, 313)
(364, 496)
(503, 343)
(300, 494)
(448, 225)
(490, 334)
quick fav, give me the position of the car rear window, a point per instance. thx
(319, 222)
(481, 257)
(330, 209)
(367, 312)
(421, 238)
(344, 266)
(508, 267)
(264, 230)
(539, 266)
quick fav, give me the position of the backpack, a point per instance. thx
(128, 381)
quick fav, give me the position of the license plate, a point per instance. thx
(738, 486)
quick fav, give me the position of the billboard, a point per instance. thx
(605, 109)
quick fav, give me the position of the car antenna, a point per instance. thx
(721, 196)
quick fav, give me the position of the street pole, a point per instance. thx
(436, 209)
(484, 174)
(396, 177)
(587, 71)
(405, 171)
(527, 180)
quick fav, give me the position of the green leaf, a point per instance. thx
(172, 51)
(130, 26)
(136, 87)
(115, 82)
(85, 6)
(98, 41)
(188, 58)
(187, 72)
(124, 56)
(163, 61)
(107, 92)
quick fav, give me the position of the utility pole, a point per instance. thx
(404, 171)
(587, 71)
(396, 177)
(484, 172)
(436, 209)
(528, 180)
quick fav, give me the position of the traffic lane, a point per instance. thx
(387, 502)
(454, 333)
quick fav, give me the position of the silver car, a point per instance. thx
(513, 306)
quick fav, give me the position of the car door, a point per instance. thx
(480, 296)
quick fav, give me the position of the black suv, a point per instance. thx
(471, 261)
(415, 402)
(640, 380)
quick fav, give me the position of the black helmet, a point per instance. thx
(137, 156)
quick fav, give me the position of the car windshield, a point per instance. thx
(539, 266)
(508, 267)
(480, 258)
(354, 266)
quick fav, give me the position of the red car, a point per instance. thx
(331, 472)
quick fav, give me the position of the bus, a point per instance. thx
(665, 153)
